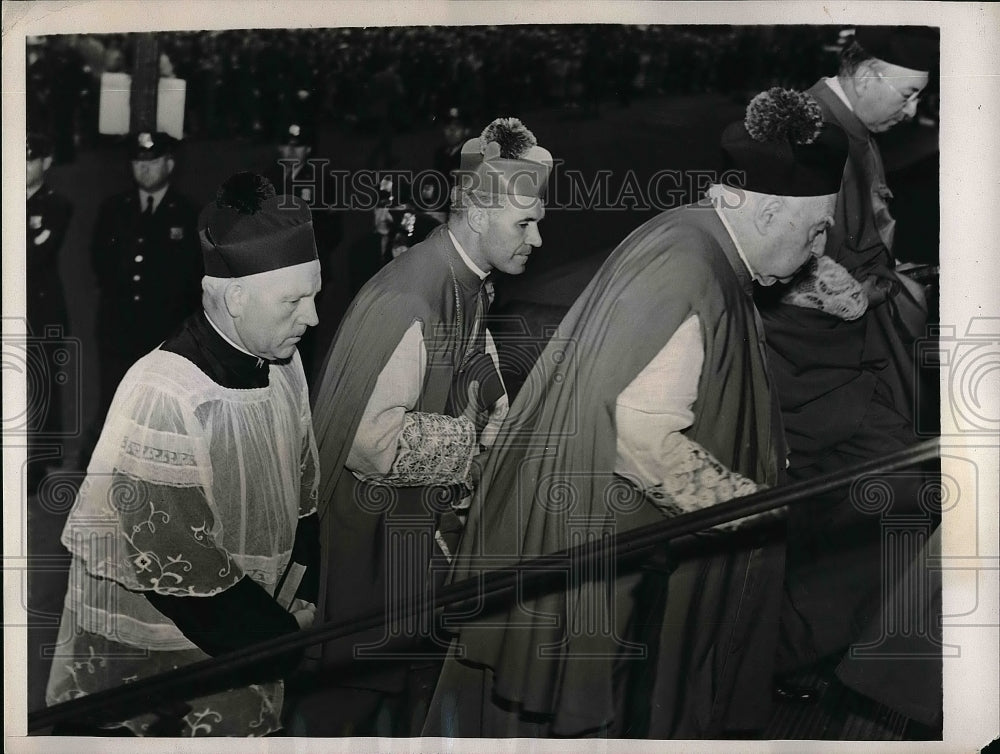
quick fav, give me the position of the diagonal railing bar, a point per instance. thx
(197, 678)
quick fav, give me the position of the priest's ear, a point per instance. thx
(236, 298)
(219, 295)
(478, 217)
(768, 213)
(865, 77)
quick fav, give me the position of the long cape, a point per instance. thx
(551, 473)
(417, 286)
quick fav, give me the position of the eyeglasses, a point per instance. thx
(907, 99)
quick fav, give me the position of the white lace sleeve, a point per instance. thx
(651, 414)
(144, 517)
(398, 446)
(828, 287)
(697, 480)
(433, 449)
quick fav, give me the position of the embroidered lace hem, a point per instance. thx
(698, 481)
(433, 449)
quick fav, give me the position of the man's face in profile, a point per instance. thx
(276, 309)
(511, 233)
(887, 94)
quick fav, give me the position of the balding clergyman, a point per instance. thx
(201, 494)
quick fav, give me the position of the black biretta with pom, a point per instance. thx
(915, 47)
(783, 147)
(250, 229)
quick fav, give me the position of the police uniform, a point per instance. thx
(48, 215)
(312, 185)
(47, 220)
(149, 269)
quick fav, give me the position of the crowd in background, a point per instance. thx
(248, 83)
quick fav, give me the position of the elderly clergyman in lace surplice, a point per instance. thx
(200, 497)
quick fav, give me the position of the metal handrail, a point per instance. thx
(193, 680)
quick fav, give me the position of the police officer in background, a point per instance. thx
(48, 215)
(298, 173)
(147, 261)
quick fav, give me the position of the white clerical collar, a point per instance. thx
(465, 257)
(228, 340)
(157, 198)
(715, 194)
(834, 83)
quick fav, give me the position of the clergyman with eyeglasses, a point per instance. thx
(840, 346)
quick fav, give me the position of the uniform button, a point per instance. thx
(138, 257)
(137, 278)
(136, 297)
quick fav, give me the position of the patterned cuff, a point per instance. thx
(828, 287)
(697, 480)
(433, 449)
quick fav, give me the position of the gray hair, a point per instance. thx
(214, 288)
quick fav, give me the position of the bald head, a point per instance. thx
(778, 234)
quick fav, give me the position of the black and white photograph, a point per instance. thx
(495, 376)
